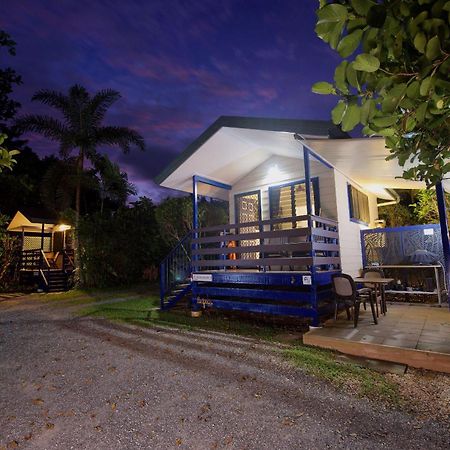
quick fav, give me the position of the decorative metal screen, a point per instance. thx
(403, 245)
(33, 242)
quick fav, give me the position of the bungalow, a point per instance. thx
(45, 244)
(299, 194)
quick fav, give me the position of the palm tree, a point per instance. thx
(81, 128)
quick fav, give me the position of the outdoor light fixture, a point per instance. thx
(63, 227)
(274, 174)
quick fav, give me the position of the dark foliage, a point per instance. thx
(121, 247)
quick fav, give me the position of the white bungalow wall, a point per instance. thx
(333, 201)
(349, 231)
(287, 170)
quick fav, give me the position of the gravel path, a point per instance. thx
(86, 383)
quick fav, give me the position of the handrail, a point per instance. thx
(45, 259)
(180, 244)
(175, 267)
(262, 223)
(66, 255)
(44, 277)
(315, 242)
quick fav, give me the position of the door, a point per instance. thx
(248, 209)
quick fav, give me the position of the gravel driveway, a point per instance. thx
(86, 383)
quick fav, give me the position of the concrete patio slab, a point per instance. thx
(418, 336)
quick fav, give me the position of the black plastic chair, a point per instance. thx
(373, 272)
(345, 292)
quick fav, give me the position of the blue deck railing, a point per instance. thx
(175, 271)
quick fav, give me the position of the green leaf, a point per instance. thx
(385, 121)
(353, 24)
(349, 43)
(398, 90)
(425, 86)
(421, 112)
(413, 90)
(332, 13)
(338, 112)
(410, 124)
(352, 76)
(368, 110)
(351, 117)
(361, 6)
(389, 104)
(386, 132)
(420, 41)
(368, 131)
(366, 63)
(323, 88)
(340, 78)
(433, 49)
(331, 22)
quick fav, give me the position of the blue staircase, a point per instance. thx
(175, 274)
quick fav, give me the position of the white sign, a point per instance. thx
(307, 279)
(202, 277)
(428, 232)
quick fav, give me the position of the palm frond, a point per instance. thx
(45, 125)
(52, 98)
(122, 136)
(100, 103)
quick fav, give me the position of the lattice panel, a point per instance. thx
(34, 243)
(397, 246)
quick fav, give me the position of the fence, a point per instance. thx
(416, 244)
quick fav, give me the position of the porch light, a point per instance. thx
(63, 227)
(274, 174)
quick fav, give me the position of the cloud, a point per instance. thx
(178, 65)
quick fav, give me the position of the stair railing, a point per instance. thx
(45, 269)
(175, 268)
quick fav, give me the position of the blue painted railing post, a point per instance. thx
(440, 196)
(313, 291)
(307, 180)
(195, 225)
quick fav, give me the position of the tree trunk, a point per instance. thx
(80, 166)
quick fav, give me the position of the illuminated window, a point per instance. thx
(289, 200)
(359, 205)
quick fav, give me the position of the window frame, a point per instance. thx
(350, 205)
(316, 190)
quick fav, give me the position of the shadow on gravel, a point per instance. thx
(247, 363)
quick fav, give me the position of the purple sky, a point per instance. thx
(178, 64)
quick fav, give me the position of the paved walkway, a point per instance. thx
(85, 383)
(409, 334)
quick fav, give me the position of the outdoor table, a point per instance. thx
(381, 282)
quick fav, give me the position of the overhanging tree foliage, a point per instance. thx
(6, 156)
(394, 77)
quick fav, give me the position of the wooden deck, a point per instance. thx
(418, 336)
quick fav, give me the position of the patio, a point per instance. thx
(418, 336)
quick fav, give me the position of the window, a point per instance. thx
(289, 200)
(359, 205)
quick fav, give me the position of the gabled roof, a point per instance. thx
(32, 219)
(306, 128)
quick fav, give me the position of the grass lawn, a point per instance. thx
(141, 308)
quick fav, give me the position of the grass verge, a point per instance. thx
(365, 382)
(142, 310)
